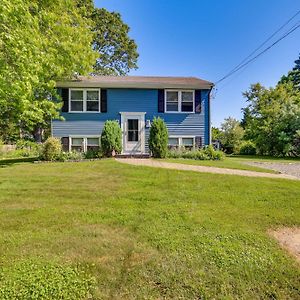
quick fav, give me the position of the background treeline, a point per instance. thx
(271, 120)
(44, 41)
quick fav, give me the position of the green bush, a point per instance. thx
(247, 148)
(195, 154)
(208, 153)
(73, 155)
(36, 280)
(213, 154)
(158, 139)
(24, 148)
(111, 138)
(90, 154)
(51, 149)
(29, 148)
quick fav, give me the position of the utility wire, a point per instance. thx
(269, 38)
(240, 71)
(245, 62)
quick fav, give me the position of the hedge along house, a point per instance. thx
(182, 102)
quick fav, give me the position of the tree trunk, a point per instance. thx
(38, 134)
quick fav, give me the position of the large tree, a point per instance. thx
(293, 76)
(273, 119)
(117, 52)
(44, 41)
(231, 135)
(40, 41)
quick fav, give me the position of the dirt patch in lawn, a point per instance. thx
(289, 239)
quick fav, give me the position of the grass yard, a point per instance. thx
(266, 158)
(228, 163)
(107, 230)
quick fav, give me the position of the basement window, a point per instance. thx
(83, 144)
(77, 144)
(181, 142)
(92, 144)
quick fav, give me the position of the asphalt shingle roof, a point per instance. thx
(137, 82)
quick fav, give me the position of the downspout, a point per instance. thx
(209, 115)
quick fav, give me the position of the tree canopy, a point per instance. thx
(293, 76)
(40, 41)
(117, 52)
(231, 135)
(45, 41)
(273, 119)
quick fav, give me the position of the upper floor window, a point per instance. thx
(179, 101)
(84, 100)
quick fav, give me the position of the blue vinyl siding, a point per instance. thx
(135, 100)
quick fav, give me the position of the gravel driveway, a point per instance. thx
(205, 169)
(284, 168)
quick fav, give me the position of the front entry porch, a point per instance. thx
(133, 133)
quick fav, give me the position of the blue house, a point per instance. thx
(182, 102)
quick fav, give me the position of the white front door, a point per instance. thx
(133, 130)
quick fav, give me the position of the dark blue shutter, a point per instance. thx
(198, 142)
(198, 101)
(65, 99)
(161, 101)
(103, 100)
(65, 143)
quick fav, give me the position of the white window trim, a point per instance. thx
(84, 100)
(180, 137)
(179, 102)
(84, 137)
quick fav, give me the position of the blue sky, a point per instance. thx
(207, 39)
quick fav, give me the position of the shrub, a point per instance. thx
(208, 153)
(51, 149)
(195, 154)
(158, 139)
(23, 148)
(73, 155)
(90, 154)
(213, 154)
(247, 148)
(175, 153)
(111, 138)
(29, 148)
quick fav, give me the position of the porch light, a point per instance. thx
(148, 123)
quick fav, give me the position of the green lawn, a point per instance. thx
(259, 158)
(228, 162)
(107, 230)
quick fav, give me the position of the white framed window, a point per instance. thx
(84, 100)
(77, 144)
(92, 143)
(180, 101)
(76, 100)
(173, 142)
(187, 142)
(172, 101)
(83, 144)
